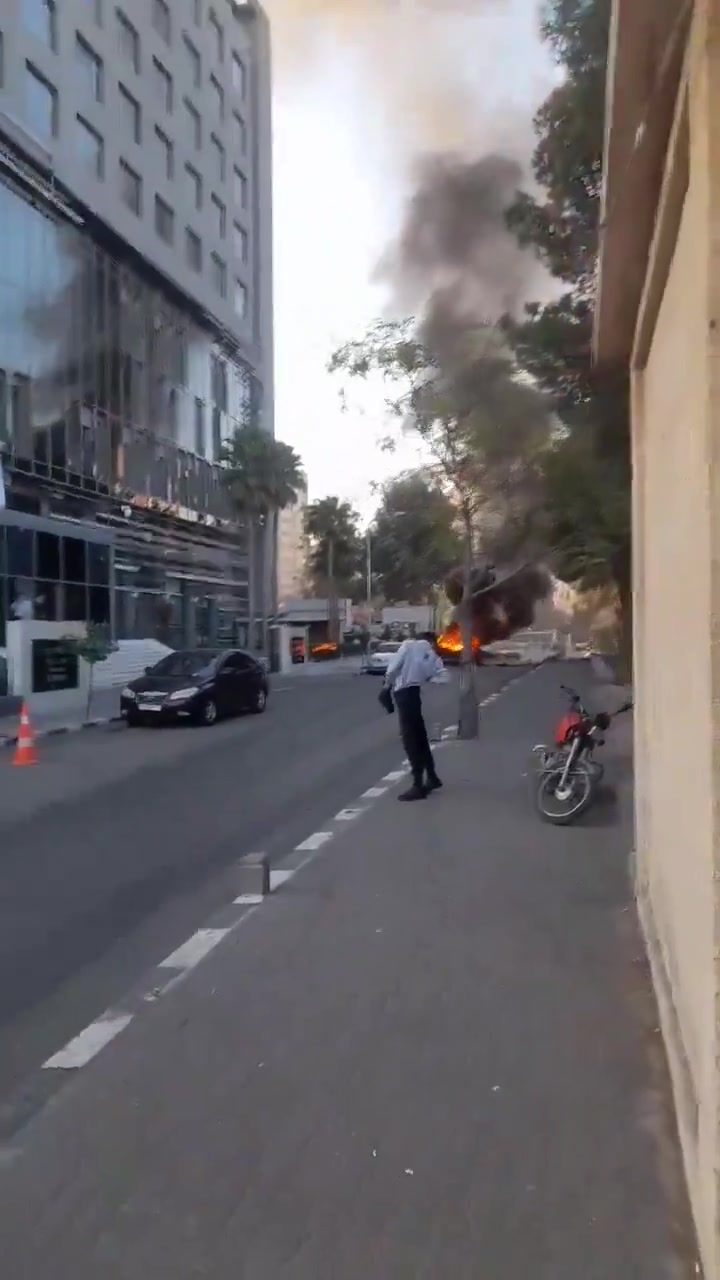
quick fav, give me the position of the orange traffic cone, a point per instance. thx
(25, 752)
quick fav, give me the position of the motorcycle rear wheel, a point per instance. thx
(562, 810)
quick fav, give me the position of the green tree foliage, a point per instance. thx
(95, 646)
(588, 470)
(482, 430)
(262, 476)
(336, 552)
(415, 540)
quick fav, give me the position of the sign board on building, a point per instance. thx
(54, 668)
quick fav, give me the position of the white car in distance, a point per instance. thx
(379, 657)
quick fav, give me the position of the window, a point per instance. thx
(194, 185)
(199, 427)
(130, 112)
(40, 18)
(90, 148)
(239, 75)
(193, 59)
(240, 242)
(41, 104)
(193, 250)
(166, 152)
(218, 94)
(239, 134)
(216, 434)
(220, 213)
(164, 220)
(163, 85)
(240, 188)
(217, 35)
(219, 382)
(161, 19)
(194, 124)
(240, 299)
(91, 69)
(218, 157)
(130, 188)
(129, 41)
(219, 274)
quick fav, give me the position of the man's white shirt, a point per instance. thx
(415, 663)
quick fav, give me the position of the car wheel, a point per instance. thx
(208, 713)
(132, 722)
(259, 702)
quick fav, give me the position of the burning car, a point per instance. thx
(450, 646)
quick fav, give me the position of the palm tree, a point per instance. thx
(335, 552)
(262, 476)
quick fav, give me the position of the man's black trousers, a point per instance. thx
(414, 734)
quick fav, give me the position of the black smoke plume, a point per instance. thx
(501, 608)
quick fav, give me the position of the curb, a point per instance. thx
(10, 740)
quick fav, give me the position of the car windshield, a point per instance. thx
(190, 662)
(390, 647)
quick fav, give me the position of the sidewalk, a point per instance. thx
(432, 1055)
(105, 706)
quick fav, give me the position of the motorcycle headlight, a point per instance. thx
(182, 695)
(129, 693)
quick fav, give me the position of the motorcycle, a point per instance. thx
(569, 774)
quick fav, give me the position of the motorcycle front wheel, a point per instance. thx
(561, 806)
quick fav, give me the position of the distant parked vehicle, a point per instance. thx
(379, 658)
(199, 685)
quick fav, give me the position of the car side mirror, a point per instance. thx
(148, 671)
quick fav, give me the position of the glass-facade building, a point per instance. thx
(118, 382)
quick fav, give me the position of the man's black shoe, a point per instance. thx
(415, 793)
(433, 784)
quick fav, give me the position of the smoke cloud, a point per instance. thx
(503, 608)
(454, 255)
(460, 156)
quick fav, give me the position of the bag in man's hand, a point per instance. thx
(385, 699)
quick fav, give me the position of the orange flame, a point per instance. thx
(450, 641)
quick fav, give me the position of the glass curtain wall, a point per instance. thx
(106, 385)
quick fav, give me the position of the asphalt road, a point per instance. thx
(119, 844)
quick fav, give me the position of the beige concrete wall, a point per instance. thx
(676, 452)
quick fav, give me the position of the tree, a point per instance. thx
(335, 551)
(262, 476)
(95, 646)
(482, 430)
(588, 470)
(414, 536)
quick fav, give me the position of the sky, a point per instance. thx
(350, 119)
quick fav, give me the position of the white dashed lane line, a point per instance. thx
(171, 971)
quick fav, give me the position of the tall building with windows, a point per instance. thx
(292, 551)
(135, 307)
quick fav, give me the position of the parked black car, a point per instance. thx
(196, 684)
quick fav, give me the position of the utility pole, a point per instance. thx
(369, 573)
(332, 595)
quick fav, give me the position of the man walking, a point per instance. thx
(416, 663)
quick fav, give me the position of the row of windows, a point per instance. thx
(25, 553)
(40, 19)
(42, 103)
(131, 190)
